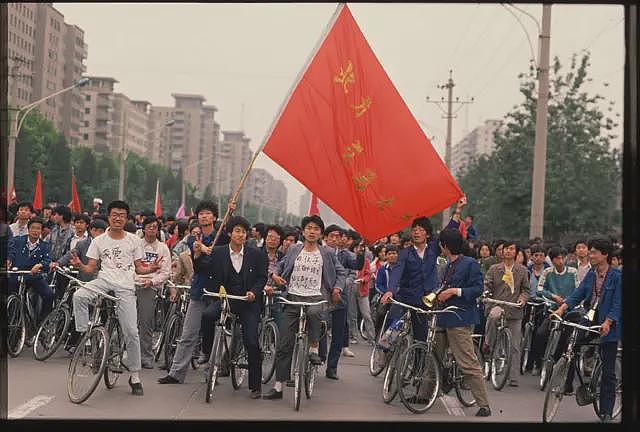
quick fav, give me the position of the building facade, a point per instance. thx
(476, 143)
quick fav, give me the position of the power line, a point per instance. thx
(533, 55)
(497, 73)
(603, 31)
(467, 27)
(528, 14)
(482, 32)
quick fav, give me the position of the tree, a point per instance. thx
(583, 174)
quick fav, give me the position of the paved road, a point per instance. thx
(38, 390)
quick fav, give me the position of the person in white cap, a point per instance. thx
(97, 207)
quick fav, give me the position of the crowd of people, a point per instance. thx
(135, 254)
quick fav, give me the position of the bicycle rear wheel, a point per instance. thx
(389, 387)
(300, 357)
(172, 335)
(87, 365)
(16, 329)
(595, 384)
(463, 390)
(525, 347)
(501, 359)
(418, 378)
(378, 358)
(548, 360)
(113, 368)
(51, 333)
(268, 345)
(310, 375)
(215, 363)
(555, 390)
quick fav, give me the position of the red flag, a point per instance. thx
(158, 207)
(37, 197)
(347, 135)
(313, 208)
(74, 205)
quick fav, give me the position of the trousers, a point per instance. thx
(145, 298)
(515, 326)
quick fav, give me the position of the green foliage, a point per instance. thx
(583, 175)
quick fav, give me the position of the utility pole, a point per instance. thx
(449, 115)
(123, 154)
(540, 150)
(13, 131)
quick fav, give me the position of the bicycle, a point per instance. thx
(172, 330)
(500, 359)
(23, 309)
(420, 368)
(56, 327)
(234, 351)
(556, 386)
(401, 342)
(302, 367)
(268, 336)
(100, 349)
(528, 332)
(379, 358)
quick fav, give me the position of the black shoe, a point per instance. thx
(168, 379)
(513, 383)
(568, 390)
(606, 419)
(483, 412)
(291, 383)
(136, 388)
(272, 394)
(331, 374)
(315, 359)
(255, 394)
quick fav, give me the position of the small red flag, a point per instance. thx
(158, 207)
(37, 197)
(346, 134)
(313, 208)
(74, 205)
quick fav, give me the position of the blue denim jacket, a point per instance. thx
(413, 277)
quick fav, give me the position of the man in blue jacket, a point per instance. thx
(461, 286)
(28, 252)
(601, 290)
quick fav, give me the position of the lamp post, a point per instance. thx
(18, 120)
(123, 155)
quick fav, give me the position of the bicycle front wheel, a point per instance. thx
(172, 335)
(239, 363)
(16, 329)
(596, 382)
(87, 365)
(114, 357)
(555, 390)
(51, 333)
(389, 385)
(378, 358)
(501, 359)
(418, 378)
(548, 360)
(268, 345)
(300, 356)
(215, 363)
(525, 347)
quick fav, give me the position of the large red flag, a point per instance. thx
(158, 207)
(347, 135)
(37, 196)
(313, 207)
(74, 205)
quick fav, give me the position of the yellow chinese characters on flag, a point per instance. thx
(347, 135)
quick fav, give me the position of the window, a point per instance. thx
(87, 110)
(87, 97)
(86, 123)
(85, 136)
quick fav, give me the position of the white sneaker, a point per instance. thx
(347, 352)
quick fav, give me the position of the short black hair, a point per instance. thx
(261, 229)
(332, 228)
(580, 241)
(452, 240)
(35, 220)
(498, 243)
(63, 211)
(118, 204)
(47, 224)
(101, 216)
(277, 229)
(25, 204)
(617, 254)
(169, 218)
(470, 216)
(536, 248)
(604, 245)
(81, 217)
(149, 220)
(130, 227)
(484, 243)
(235, 221)
(312, 218)
(391, 248)
(207, 205)
(98, 224)
(290, 231)
(557, 251)
(423, 222)
(353, 234)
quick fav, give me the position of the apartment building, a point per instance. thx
(476, 143)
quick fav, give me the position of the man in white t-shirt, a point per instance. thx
(120, 255)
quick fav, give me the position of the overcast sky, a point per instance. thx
(250, 54)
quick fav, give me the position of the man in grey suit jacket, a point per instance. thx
(96, 227)
(312, 273)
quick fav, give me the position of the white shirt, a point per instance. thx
(420, 254)
(75, 239)
(236, 258)
(116, 258)
(306, 278)
(19, 230)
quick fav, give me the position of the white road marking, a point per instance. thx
(452, 405)
(24, 409)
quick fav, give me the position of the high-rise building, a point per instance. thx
(476, 143)
(262, 190)
(97, 129)
(46, 55)
(233, 158)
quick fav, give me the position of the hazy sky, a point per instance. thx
(250, 54)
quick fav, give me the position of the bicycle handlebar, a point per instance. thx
(501, 302)
(592, 329)
(170, 283)
(448, 309)
(20, 272)
(231, 296)
(298, 303)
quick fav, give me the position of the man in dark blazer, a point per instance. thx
(242, 270)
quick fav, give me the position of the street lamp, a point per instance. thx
(169, 123)
(18, 120)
